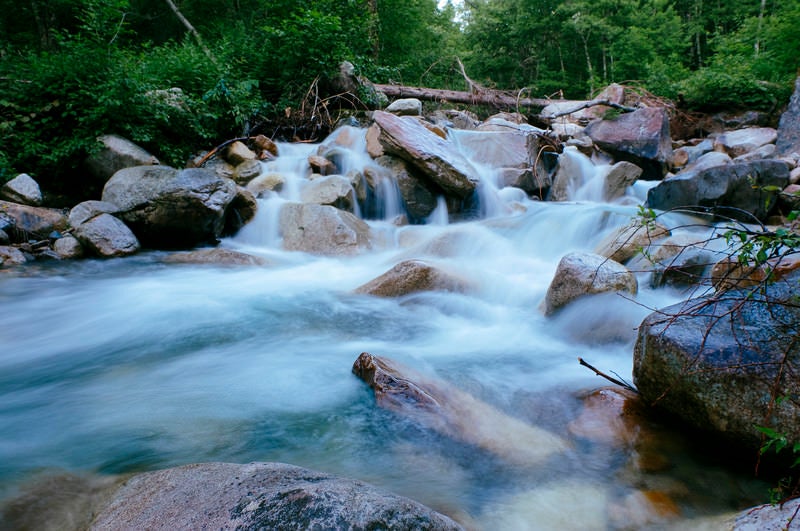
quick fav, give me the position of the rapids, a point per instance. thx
(115, 366)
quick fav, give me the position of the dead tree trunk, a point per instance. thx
(494, 98)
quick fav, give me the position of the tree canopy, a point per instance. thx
(177, 75)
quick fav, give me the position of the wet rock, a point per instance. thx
(619, 177)
(322, 229)
(216, 256)
(411, 276)
(265, 144)
(580, 274)
(764, 152)
(439, 406)
(321, 165)
(768, 517)
(241, 210)
(613, 416)
(405, 107)
(270, 182)
(31, 222)
(10, 256)
(246, 171)
(729, 273)
(117, 153)
(628, 240)
(106, 236)
(742, 141)
(259, 496)
(334, 190)
(705, 161)
(685, 155)
(169, 208)
(735, 190)
(22, 189)
(687, 268)
(716, 362)
(643, 509)
(419, 198)
(86, 210)
(788, 140)
(569, 174)
(641, 137)
(434, 157)
(68, 247)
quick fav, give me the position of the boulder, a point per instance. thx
(641, 137)
(788, 140)
(22, 189)
(86, 210)
(238, 153)
(10, 256)
(216, 256)
(115, 154)
(265, 145)
(619, 177)
(334, 190)
(686, 155)
(746, 187)
(420, 200)
(246, 171)
(741, 141)
(707, 160)
(411, 276)
(30, 222)
(768, 517)
(579, 274)
(718, 363)
(322, 229)
(572, 170)
(259, 496)
(269, 182)
(767, 151)
(434, 157)
(628, 240)
(241, 210)
(68, 247)
(107, 237)
(445, 409)
(405, 107)
(321, 165)
(169, 208)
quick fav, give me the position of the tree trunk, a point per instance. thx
(493, 98)
(191, 29)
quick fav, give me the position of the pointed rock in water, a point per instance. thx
(334, 190)
(788, 140)
(420, 200)
(408, 139)
(439, 406)
(411, 276)
(322, 229)
(619, 177)
(580, 274)
(259, 496)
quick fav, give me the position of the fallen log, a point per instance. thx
(441, 407)
(494, 98)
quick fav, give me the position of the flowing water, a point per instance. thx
(114, 366)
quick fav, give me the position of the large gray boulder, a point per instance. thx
(719, 363)
(432, 155)
(741, 141)
(107, 237)
(259, 496)
(169, 208)
(641, 137)
(334, 190)
(322, 229)
(22, 189)
(788, 140)
(579, 274)
(115, 154)
(747, 187)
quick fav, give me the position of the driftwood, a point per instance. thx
(494, 98)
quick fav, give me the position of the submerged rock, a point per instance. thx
(216, 256)
(259, 496)
(439, 406)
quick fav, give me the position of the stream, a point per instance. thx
(135, 364)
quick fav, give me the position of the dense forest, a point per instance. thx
(179, 75)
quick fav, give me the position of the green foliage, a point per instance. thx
(779, 444)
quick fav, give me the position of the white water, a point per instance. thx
(134, 364)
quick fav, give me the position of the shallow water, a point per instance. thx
(135, 364)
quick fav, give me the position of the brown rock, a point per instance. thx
(412, 276)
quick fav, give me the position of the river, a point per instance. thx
(116, 366)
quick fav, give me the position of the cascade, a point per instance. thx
(126, 365)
